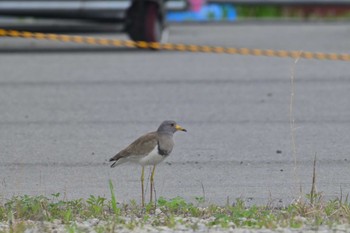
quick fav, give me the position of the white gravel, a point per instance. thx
(198, 225)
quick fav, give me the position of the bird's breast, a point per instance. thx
(153, 158)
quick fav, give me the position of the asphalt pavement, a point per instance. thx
(66, 108)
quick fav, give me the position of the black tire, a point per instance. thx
(144, 23)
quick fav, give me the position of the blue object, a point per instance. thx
(210, 12)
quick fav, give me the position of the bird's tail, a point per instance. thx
(115, 162)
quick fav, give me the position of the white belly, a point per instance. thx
(152, 158)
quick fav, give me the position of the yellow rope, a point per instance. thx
(175, 47)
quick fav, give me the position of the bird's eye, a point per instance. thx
(172, 125)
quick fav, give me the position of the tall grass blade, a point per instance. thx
(113, 200)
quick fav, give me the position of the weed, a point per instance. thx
(171, 212)
(72, 228)
(113, 202)
(200, 200)
(100, 229)
(96, 205)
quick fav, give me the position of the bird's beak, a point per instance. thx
(179, 128)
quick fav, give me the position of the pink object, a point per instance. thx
(196, 5)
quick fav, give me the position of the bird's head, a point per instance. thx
(170, 127)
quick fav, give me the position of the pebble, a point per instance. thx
(187, 225)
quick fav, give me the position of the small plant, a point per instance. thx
(113, 200)
(67, 216)
(72, 228)
(175, 205)
(96, 205)
(200, 200)
(170, 213)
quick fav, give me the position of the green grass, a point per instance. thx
(271, 11)
(113, 200)
(23, 212)
(169, 212)
(259, 11)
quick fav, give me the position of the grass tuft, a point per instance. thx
(311, 212)
(113, 200)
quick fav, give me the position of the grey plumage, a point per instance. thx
(144, 149)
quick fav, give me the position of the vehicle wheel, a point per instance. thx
(144, 22)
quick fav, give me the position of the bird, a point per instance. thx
(149, 150)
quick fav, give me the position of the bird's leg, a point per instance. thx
(142, 187)
(152, 183)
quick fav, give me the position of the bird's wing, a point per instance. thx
(141, 146)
